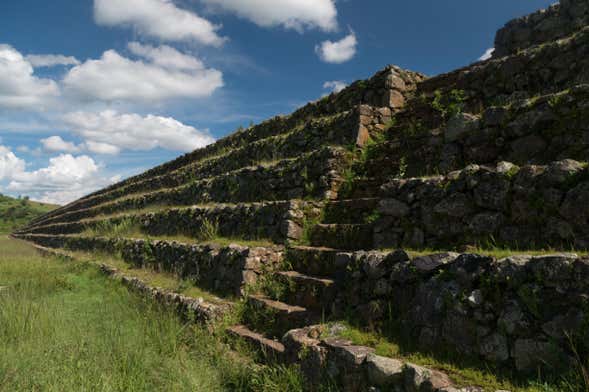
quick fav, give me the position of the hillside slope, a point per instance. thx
(479, 178)
(15, 213)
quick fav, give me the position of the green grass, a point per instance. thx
(66, 327)
(463, 371)
(207, 235)
(496, 252)
(15, 213)
(150, 277)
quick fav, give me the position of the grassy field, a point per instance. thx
(15, 213)
(65, 327)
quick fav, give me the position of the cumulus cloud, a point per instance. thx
(335, 86)
(9, 163)
(291, 14)
(101, 148)
(157, 18)
(19, 87)
(51, 60)
(108, 132)
(487, 55)
(338, 52)
(114, 77)
(65, 179)
(57, 144)
(166, 56)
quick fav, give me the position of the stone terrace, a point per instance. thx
(491, 157)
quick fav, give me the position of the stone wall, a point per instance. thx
(518, 311)
(224, 270)
(389, 87)
(538, 130)
(535, 206)
(277, 221)
(548, 68)
(315, 175)
(558, 21)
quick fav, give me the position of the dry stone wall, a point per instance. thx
(539, 130)
(517, 311)
(313, 175)
(558, 21)
(549, 68)
(222, 269)
(277, 221)
(535, 206)
(388, 87)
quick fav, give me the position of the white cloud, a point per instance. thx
(487, 55)
(102, 148)
(113, 77)
(19, 87)
(65, 179)
(335, 86)
(57, 144)
(157, 18)
(166, 56)
(338, 52)
(107, 131)
(50, 60)
(292, 14)
(9, 163)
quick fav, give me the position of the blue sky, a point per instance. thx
(133, 83)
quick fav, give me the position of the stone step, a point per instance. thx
(488, 79)
(342, 236)
(364, 188)
(271, 350)
(314, 260)
(350, 211)
(537, 131)
(314, 293)
(378, 91)
(276, 318)
(224, 269)
(527, 207)
(268, 220)
(313, 175)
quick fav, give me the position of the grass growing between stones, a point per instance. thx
(496, 252)
(127, 228)
(164, 280)
(65, 327)
(463, 371)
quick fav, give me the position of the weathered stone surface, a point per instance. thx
(383, 371)
(429, 263)
(393, 208)
(557, 21)
(514, 206)
(494, 348)
(460, 126)
(530, 354)
(420, 379)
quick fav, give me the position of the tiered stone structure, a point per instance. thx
(494, 154)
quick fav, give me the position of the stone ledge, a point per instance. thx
(225, 270)
(357, 368)
(515, 311)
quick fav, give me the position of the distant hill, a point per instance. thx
(18, 212)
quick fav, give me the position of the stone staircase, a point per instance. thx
(493, 155)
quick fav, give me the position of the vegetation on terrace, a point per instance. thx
(67, 327)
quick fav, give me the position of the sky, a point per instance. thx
(94, 91)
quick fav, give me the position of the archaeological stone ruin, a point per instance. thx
(374, 204)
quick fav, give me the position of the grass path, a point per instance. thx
(65, 327)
